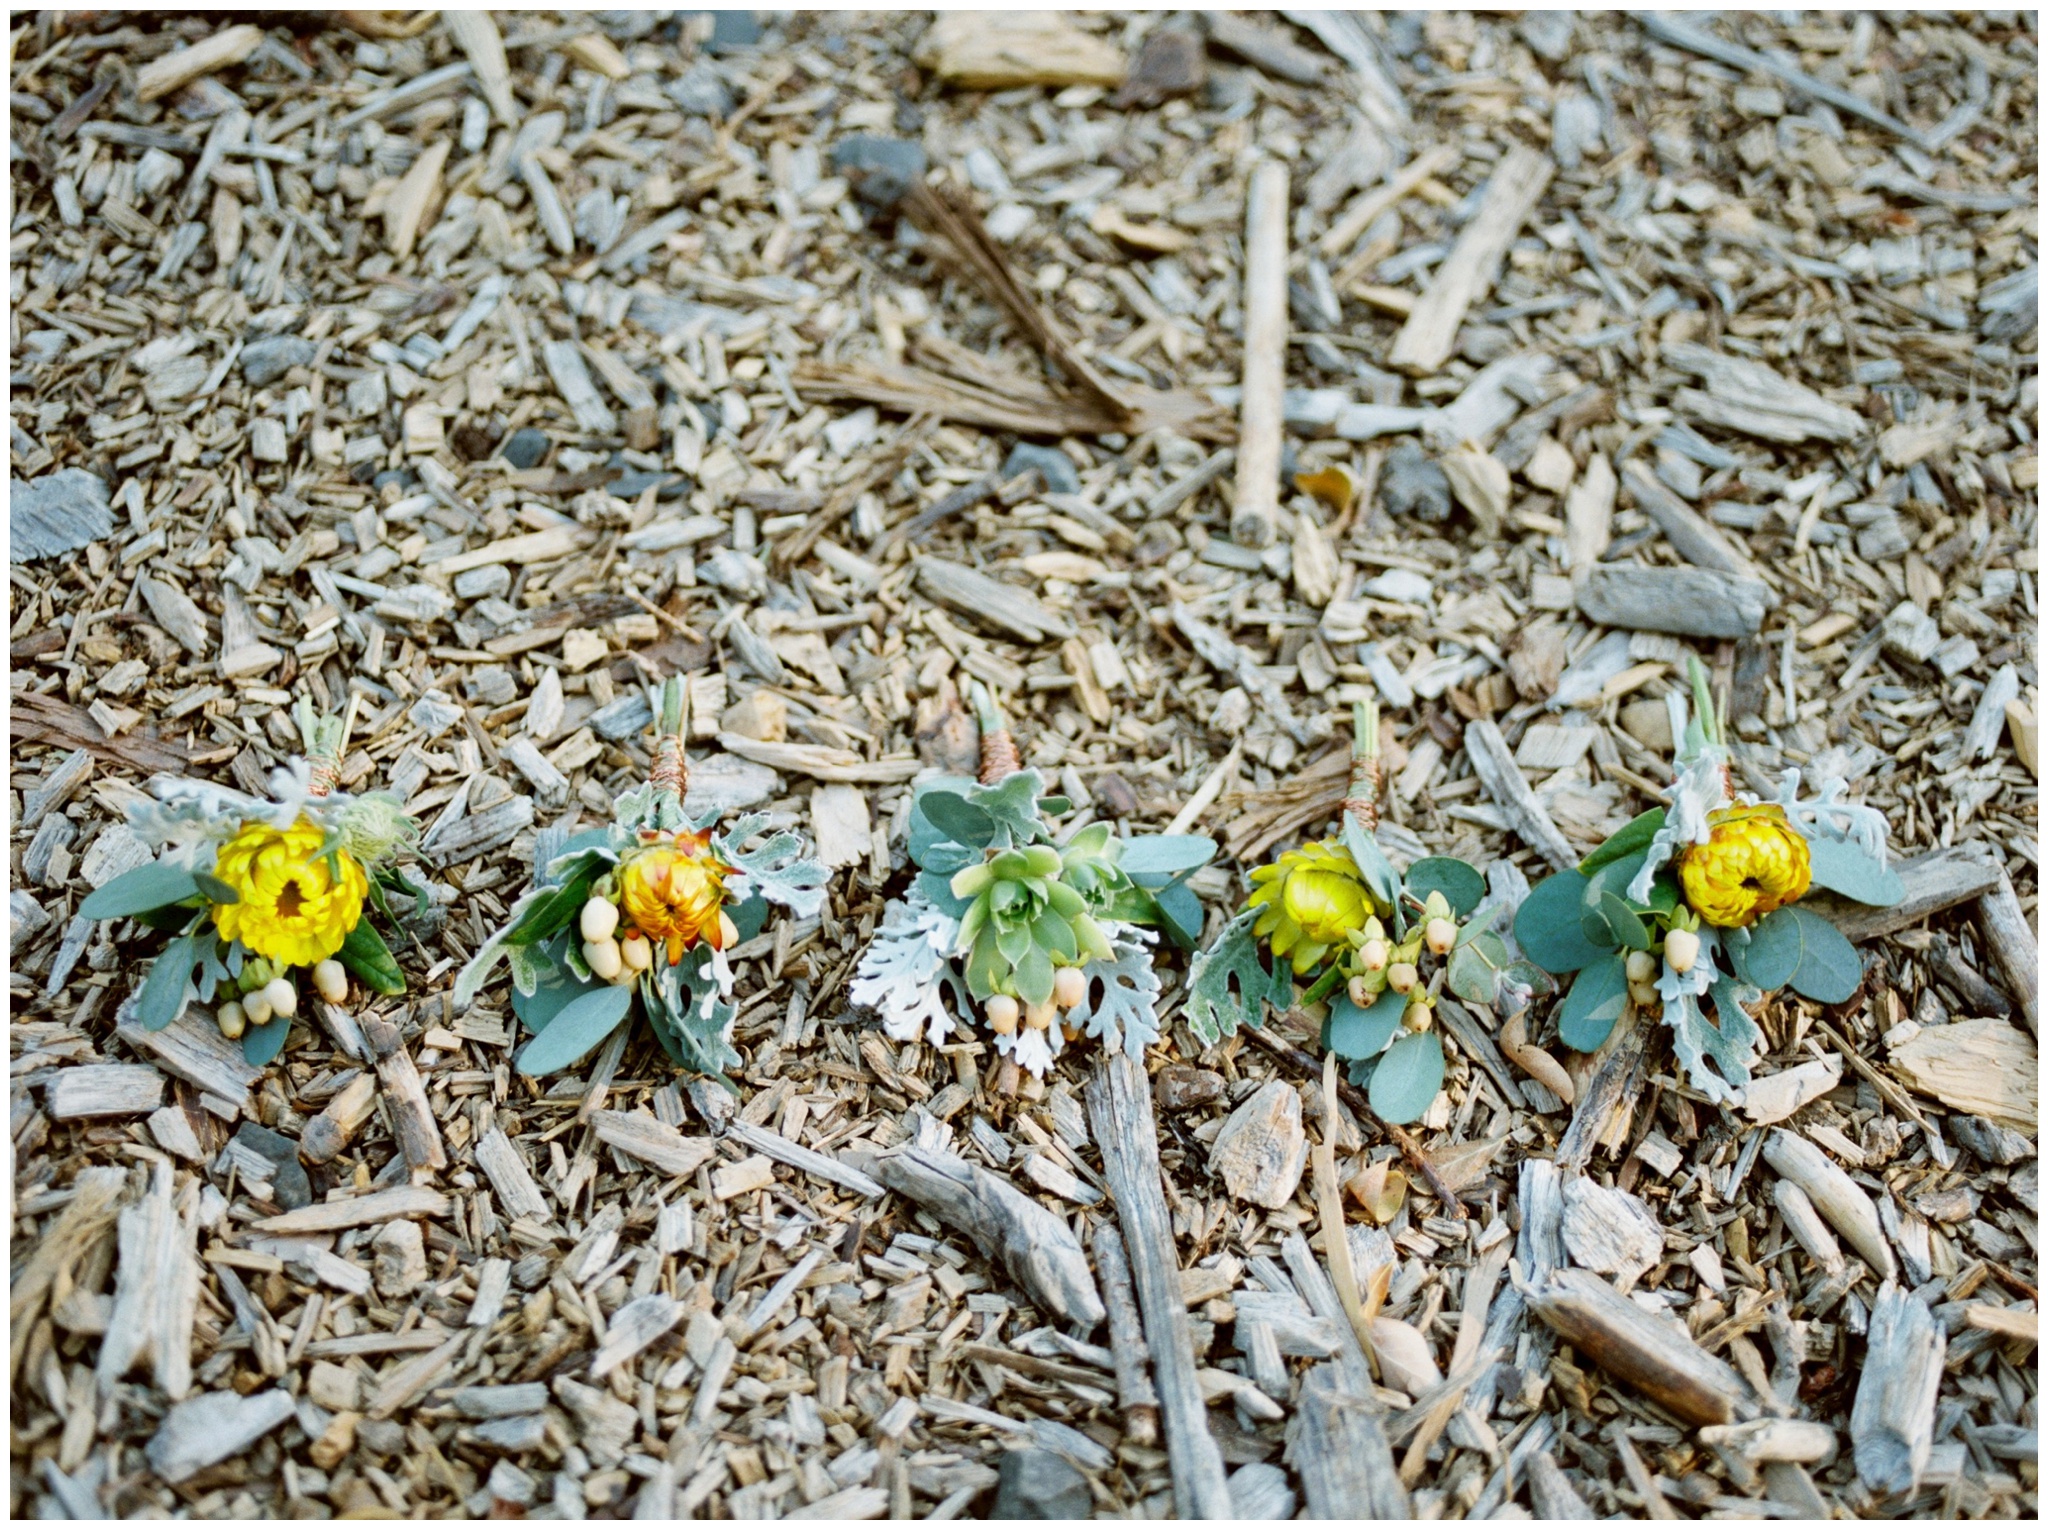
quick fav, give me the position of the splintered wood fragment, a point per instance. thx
(77, 1227)
(370, 1210)
(1690, 602)
(566, 366)
(161, 76)
(156, 1292)
(493, 1285)
(631, 391)
(1467, 273)
(1494, 763)
(1653, 1355)
(1216, 648)
(1120, 1114)
(632, 1328)
(1844, 1204)
(1806, 1225)
(1698, 540)
(1978, 1067)
(1259, 430)
(1346, 229)
(763, 1139)
(1036, 1247)
(214, 1426)
(1551, 1491)
(1748, 396)
(477, 36)
(1938, 880)
(513, 1183)
(1891, 1423)
(1337, 1444)
(1138, 1402)
(401, 1386)
(1613, 1083)
(1609, 1231)
(412, 1116)
(1775, 1439)
(821, 762)
(1001, 50)
(649, 1140)
(193, 1049)
(2014, 944)
(1000, 605)
(405, 211)
(103, 1089)
(329, 1132)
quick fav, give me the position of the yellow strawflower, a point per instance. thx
(1754, 862)
(295, 909)
(1313, 898)
(672, 894)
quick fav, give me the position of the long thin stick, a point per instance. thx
(1256, 513)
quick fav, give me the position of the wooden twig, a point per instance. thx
(1036, 1247)
(1361, 1107)
(1255, 514)
(1134, 1391)
(1120, 1113)
(1618, 1078)
(412, 1117)
(1511, 194)
(2015, 945)
(1845, 1204)
(329, 1132)
(1494, 763)
(1655, 1357)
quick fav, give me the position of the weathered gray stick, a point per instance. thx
(1691, 602)
(1468, 272)
(1613, 1081)
(1120, 1112)
(1338, 1446)
(1891, 1424)
(1935, 881)
(1654, 1356)
(1257, 506)
(1036, 1247)
(1494, 763)
(2014, 943)
(1126, 1338)
(412, 1117)
(1698, 540)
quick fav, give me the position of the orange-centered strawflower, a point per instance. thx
(1754, 862)
(672, 892)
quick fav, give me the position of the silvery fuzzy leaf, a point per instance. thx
(1732, 1044)
(1031, 1050)
(1828, 816)
(1013, 803)
(901, 971)
(526, 971)
(1701, 789)
(477, 970)
(1214, 1008)
(691, 1001)
(1127, 1014)
(778, 870)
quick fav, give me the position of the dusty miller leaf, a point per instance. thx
(1127, 1012)
(1229, 984)
(777, 867)
(901, 971)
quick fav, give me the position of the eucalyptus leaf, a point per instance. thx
(1829, 971)
(1598, 997)
(142, 890)
(1474, 970)
(958, 819)
(1354, 1033)
(169, 984)
(1844, 867)
(262, 1043)
(576, 1030)
(1632, 838)
(214, 890)
(924, 834)
(1606, 919)
(1180, 914)
(556, 989)
(1165, 855)
(1771, 954)
(749, 915)
(1548, 927)
(1461, 884)
(1407, 1078)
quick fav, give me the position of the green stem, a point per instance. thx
(988, 717)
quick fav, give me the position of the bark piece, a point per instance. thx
(193, 1049)
(1610, 1231)
(1494, 763)
(1259, 434)
(156, 1292)
(103, 1089)
(1698, 540)
(1036, 1247)
(632, 1328)
(1000, 605)
(477, 36)
(1551, 1491)
(1748, 396)
(412, 1116)
(1768, 1101)
(1691, 602)
(399, 1262)
(503, 1166)
(1120, 1113)
(80, 1225)
(1337, 1444)
(370, 1210)
(1938, 880)
(213, 1426)
(1891, 1423)
(1430, 334)
(1002, 50)
(1980, 1067)
(1655, 1356)
(2010, 934)
(329, 1132)
(778, 1147)
(1839, 1199)
(1261, 1151)
(230, 46)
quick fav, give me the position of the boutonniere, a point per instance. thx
(1049, 938)
(648, 906)
(255, 890)
(1695, 906)
(1336, 918)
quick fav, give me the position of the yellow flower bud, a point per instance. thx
(1416, 1016)
(637, 952)
(1360, 992)
(283, 997)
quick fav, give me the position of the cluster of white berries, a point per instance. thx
(1069, 988)
(609, 958)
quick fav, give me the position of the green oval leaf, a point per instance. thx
(1475, 968)
(1548, 927)
(1166, 855)
(957, 818)
(1632, 837)
(262, 1043)
(1598, 996)
(214, 890)
(1407, 1078)
(1354, 1033)
(1829, 971)
(140, 891)
(1606, 919)
(580, 1026)
(169, 984)
(365, 954)
(1771, 954)
(1034, 977)
(1461, 884)
(1842, 867)
(555, 991)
